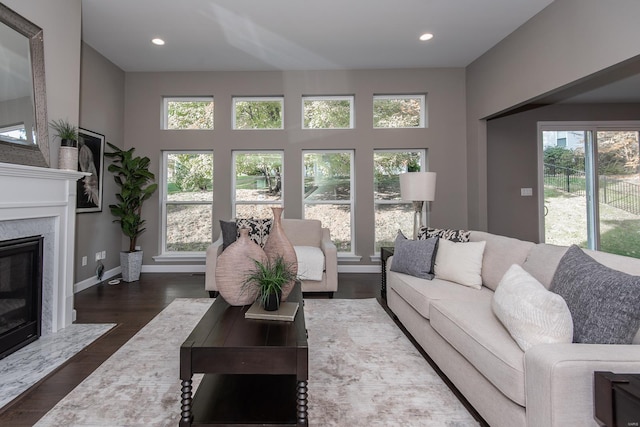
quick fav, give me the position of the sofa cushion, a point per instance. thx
(500, 253)
(258, 228)
(443, 233)
(476, 333)
(414, 257)
(532, 314)
(604, 303)
(460, 262)
(420, 293)
(542, 262)
(229, 232)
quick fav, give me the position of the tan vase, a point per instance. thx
(279, 244)
(233, 265)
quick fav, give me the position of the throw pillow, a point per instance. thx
(604, 303)
(444, 233)
(532, 314)
(258, 228)
(460, 262)
(229, 232)
(414, 257)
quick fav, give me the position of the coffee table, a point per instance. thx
(255, 371)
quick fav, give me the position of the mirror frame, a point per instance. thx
(37, 155)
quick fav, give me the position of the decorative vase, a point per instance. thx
(131, 264)
(273, 302)
(68, 155)
(279, 245)
(232, 267)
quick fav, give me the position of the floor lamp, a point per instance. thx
(418, 187)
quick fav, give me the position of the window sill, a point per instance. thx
(349, 257)
(186, 257)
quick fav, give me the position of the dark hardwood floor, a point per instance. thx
(131, 306)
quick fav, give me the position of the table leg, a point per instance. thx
(186, 400)
(302, 402)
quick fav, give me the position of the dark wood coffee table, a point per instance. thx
(256, 371)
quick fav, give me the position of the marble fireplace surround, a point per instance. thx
(42, 201)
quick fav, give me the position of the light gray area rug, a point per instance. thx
(30, 364)
(363, 372)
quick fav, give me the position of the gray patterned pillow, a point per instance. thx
(258, 228)
(414, 257)
(444, 233)
(604, 303)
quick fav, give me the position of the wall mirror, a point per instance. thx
(23, 103)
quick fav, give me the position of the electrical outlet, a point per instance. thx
(98, 256)
(104, 254)
(84, 260)
(526, 192)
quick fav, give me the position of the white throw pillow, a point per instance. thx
(532, 314)
(460, 262)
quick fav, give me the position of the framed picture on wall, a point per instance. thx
(90, 159)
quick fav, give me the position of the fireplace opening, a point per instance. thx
(20, 292)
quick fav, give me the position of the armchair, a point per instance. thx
(301, 232)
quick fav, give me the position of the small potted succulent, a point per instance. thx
(269, 278)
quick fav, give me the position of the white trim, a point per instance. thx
(358, 269)
(173, 268)
(92, 281)
(256, 99)
(348, 257)
(181, 257)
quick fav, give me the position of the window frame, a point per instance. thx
(235, 202)
(351, 202)
(164, 120)
(423, 109)
(350, 98)
(423, 167)
(236, 99)
(164, 202)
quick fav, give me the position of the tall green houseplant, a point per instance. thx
(136, 185)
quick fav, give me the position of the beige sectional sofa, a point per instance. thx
(549, 385)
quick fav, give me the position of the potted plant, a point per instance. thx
(269, 278)
(136, 185)
(68, 134)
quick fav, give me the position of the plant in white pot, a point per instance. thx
(68, 153)
(136, 185)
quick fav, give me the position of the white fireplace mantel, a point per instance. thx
(31, 195)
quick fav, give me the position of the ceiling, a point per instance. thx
(238, 35)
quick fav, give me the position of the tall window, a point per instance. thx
(188, 113)
(327, 112)
(258, 113)
(257, 184)
(591, 177)
(187, 201)
(399, 111)
(391, 212)
(328, 180)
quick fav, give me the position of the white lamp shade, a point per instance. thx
(418, 186)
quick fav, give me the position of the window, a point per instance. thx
(257, 183)
(188, 113)
(591, 182)
(327, 185)
(391, 212)
(187, 201)
(327, 112)
(399, 111)
(258, 113)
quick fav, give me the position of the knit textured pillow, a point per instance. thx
(604, 303)
(414, 257)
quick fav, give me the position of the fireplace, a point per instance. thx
(20, 292)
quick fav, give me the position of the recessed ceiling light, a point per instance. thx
(157, 42)
(426, 36)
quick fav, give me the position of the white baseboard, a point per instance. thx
(178, 268)
(92, 281)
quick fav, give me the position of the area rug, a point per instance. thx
(30, 364)
(363, 372)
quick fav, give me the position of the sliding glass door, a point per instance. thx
(591, 179)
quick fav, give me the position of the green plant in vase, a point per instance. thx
(269, 278)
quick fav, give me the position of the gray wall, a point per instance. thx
(101, 111)
(444, 138)
(512, 154)
(567, 41)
